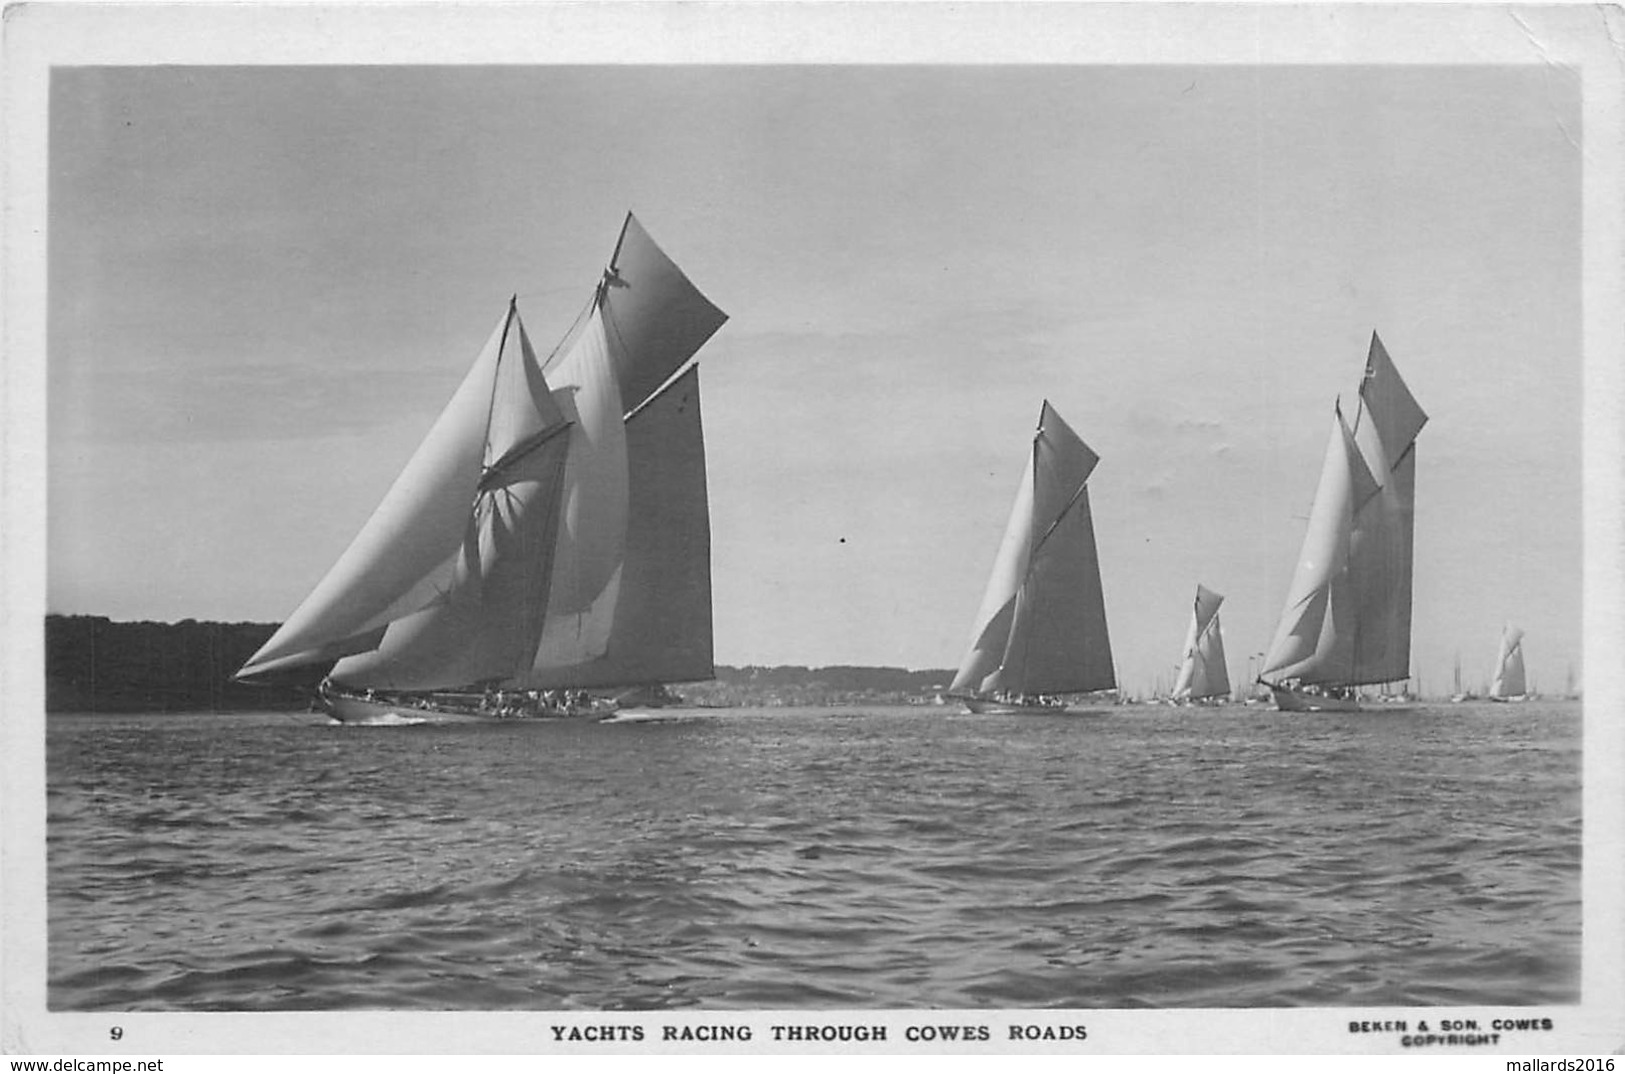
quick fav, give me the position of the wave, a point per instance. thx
(793, 861)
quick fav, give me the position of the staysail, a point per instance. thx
(552, 529)
(1042, 625)
(406, 554)
(1509, 676)
(1347, 620)
(1202, 671)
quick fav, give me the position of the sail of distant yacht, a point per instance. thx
(1202, 671)
(1041, 630)
(1509, 683)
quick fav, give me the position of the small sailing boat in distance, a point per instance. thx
(1509, 684)
(550, 536)
(1041, 630)
(1202, 673)
(1347, 620)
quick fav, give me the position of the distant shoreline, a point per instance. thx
(94, 665)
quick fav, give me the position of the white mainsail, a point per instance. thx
(1347, 619)
(1509, 676)
(663, 619)
(552, 530)
(1202, 671)
(1042, 624)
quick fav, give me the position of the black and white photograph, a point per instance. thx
(813, 528)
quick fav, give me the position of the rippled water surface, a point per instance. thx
(798, 858)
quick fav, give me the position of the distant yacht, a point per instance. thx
(1509, 682)
(1041, 630)
(1347, 620)
(1202, 672)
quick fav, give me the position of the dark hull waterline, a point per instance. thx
(349, 709)
(989, 707)
(1289, 700)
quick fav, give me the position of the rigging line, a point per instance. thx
(1059, 518)
(665, 386)
(519, 451)
(496, 374)
(610, 327)
(571, 332)
(1352, 433)
(1061, 515)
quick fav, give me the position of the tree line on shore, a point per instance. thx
(93, 664)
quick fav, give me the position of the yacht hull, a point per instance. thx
(360, 710)
(347, 708)
(982, 706)
(1297, 701)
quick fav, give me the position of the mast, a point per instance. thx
(491, 404)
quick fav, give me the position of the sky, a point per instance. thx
(264, 283)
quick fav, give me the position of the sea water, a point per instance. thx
(866, 857)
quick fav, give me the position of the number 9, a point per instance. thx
(117, 1032)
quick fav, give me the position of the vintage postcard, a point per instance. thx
(743, 528)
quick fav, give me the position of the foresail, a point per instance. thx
(662, 625)
(1314, 640)
(405, 553)
(591, 535)
(485, 619)
(1186, 678)
(991, 634)
(487, 623)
